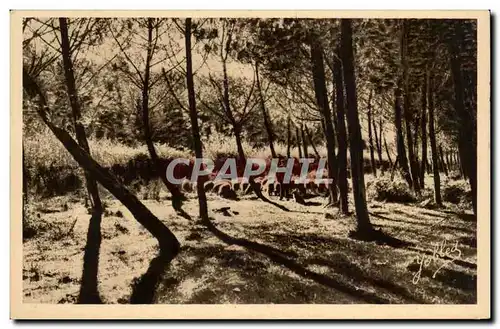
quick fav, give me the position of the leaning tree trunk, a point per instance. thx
(370, 135)
(355, 145)
(387, 152)
(227, 108)
(237, 134)
(169, 245)
(407, 108)
(193, 115)
(423, 130)
(341, 133)
(81, 136)
(89, 292)
(267, 119)
(320, 92)
(177, 196)
(434, 151)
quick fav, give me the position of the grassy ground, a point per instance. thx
(256, 253)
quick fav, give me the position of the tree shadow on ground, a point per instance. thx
(344, 267)
(89, 292)
(144, 287)
(465, 217)
(424, 224)
(277, 256)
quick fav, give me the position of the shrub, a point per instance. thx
(457, 192)
(32, 224)
(383, 189)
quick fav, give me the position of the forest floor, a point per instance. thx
(257, 253)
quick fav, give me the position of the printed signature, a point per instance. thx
(442, 252)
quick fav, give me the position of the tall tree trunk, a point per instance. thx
(320, 92)
(401, 157)
(288, 136)
(387, 152)
(432, 138)
(423, 129)
(267, 119)
(193, 115)
(467, 120)
(304, 141)
(407, 108)
(341, 133)
(177, 196)
(81, 136)
(370, 135)
(169, 245)
(356, 148)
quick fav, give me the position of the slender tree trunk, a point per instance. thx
(432, 138)
(370, 135)
(443, 163)
(318, 72)
(309, 136)
(81, 136)
(297, 135)
(448, 161)
(401, 157)
(423, 130)
(407, 108)
(193, 115)
(229, 113)
(380, 130)
(267, 119)
(341, 133)
(387, 152)
(288, 136)
(304, 140)
(378, 147)
(169, 245)
(177, 196)
(356, 149)
(415, 152)
(237, 133)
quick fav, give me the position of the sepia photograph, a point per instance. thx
(204, 161)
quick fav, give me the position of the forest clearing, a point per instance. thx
(301, 256)
(388, 106)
